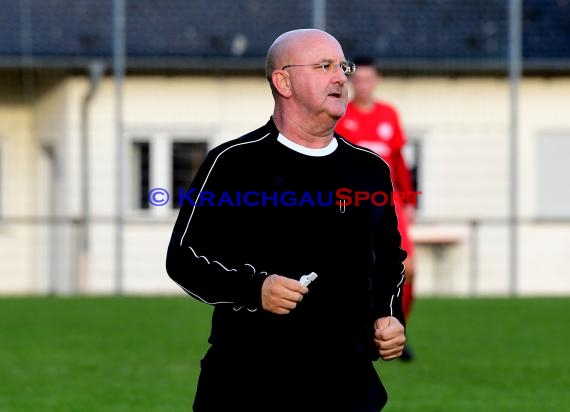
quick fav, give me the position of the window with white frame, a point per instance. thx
(140, 182)
(163, 161)
(186, 159)
(553, 175)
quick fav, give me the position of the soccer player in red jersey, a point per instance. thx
(376, 125)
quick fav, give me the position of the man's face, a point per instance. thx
(364, 81)
(319, 92)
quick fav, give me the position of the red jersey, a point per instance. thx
(380, 131)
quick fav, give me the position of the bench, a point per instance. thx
(439, 241)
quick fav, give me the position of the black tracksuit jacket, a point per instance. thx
(224, 243)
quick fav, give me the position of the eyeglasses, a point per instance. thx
(329, 66)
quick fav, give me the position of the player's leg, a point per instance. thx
(407, 245)
(407, 288)
(407, 299)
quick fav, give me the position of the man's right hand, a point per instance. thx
(280, 294)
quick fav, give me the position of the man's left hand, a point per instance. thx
(389, 337)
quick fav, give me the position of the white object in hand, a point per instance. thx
(307, 279)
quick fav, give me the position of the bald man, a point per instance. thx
(282, 233)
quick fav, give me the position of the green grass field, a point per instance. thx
(142, 354)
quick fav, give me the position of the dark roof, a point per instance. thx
(405, 35)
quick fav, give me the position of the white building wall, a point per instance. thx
(212, 108)
(544, 106)
(462, 124)
(58, 233)
(18, 193)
